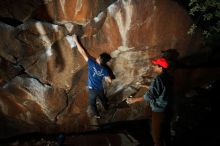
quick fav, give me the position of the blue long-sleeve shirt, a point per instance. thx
(159, 94)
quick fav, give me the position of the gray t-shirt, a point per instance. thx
(159, 94)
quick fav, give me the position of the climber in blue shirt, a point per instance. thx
(97, 71)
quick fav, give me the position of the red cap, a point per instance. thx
(161, 62)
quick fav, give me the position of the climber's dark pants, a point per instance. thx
(93, 95)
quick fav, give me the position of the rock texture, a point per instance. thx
(43, 80)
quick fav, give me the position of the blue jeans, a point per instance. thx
(93, 95)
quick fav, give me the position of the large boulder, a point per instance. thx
(43, 80)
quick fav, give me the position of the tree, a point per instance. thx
(206, 16)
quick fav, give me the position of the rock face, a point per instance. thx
(43, 80)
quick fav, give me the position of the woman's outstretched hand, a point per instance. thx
(130, 100)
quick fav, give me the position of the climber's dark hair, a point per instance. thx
(104, 58)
